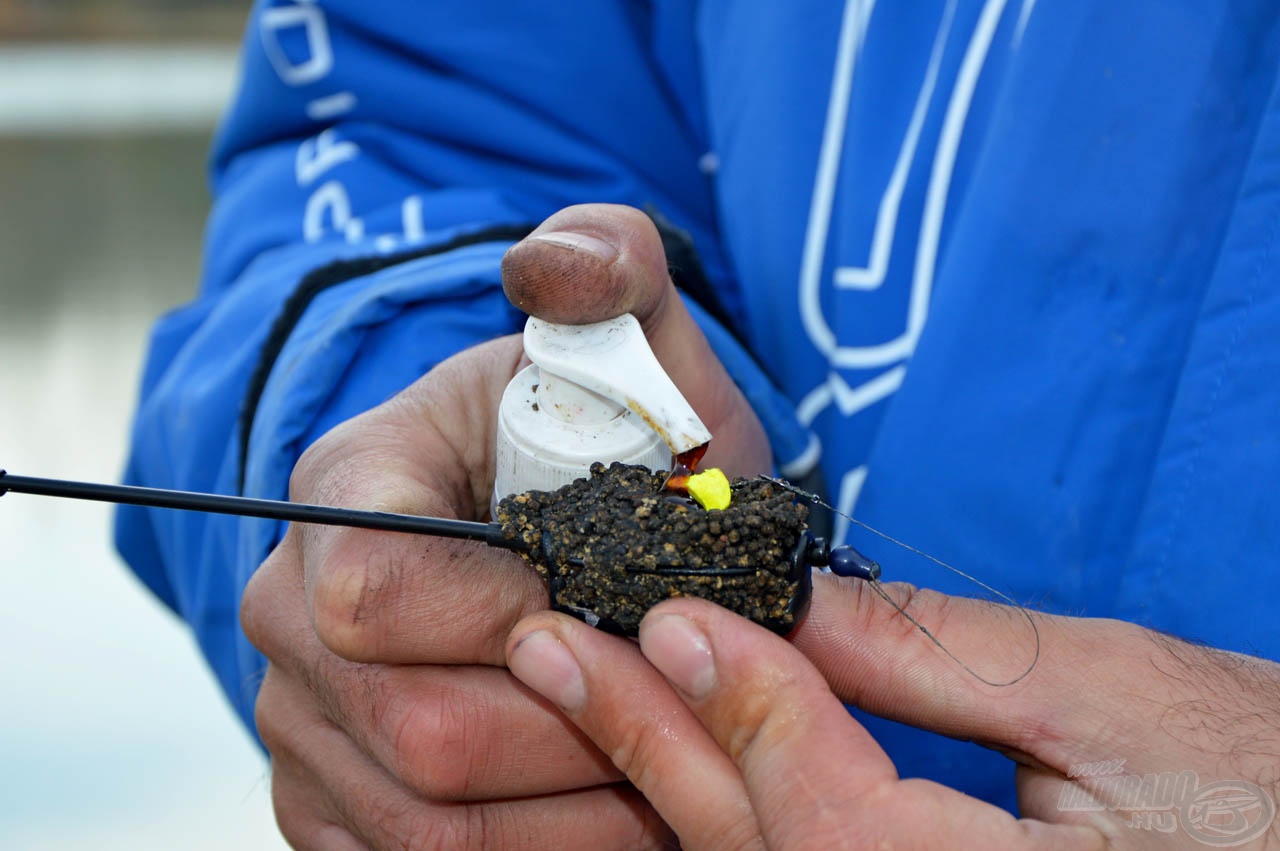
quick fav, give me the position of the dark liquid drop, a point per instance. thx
(683, 466)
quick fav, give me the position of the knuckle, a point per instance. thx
(638, 751)
(346, 603)
(344, 693)
(739, 832)
(293, 825)
(756, 721)
(440, 834)
(296, 824)
(491, 826)
(941, 608)
(405, 823)
(444, 743)
(325, 467)
(253, 622)
(310, 468)
(257, 619)
(268, 716)
(907, 598)
(303, 476)
(372, 608)
(494, 824)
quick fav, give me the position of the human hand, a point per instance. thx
(740, 739)
(389, 718)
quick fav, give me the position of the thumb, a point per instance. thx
(594, 262)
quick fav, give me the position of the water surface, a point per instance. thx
(112, 733)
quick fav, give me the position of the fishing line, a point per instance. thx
(878, 587)
(844, 560)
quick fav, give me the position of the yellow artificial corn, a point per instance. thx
(710, 488)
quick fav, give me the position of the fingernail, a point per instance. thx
(681, 651)
(579, 242)
(545, 665)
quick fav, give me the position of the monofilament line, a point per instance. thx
(878, 587)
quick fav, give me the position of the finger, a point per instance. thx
(596, 261)
(304, 815)
(590, 262)
(399, 598)
(877, 659)
(448, 732)
(630, 712)
(304, 812)
(382, 813)
(814, 776)
(771, 713)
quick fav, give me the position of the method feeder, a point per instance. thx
(808, 551)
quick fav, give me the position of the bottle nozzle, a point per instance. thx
(613, 360)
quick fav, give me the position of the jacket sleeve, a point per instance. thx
(374, 166)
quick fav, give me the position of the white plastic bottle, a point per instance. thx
(593, 393)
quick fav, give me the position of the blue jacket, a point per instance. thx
(1009, 270)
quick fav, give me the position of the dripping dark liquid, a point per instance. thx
(683, 466)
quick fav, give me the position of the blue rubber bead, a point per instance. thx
(846, 561)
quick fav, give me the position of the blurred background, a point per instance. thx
(112, 733)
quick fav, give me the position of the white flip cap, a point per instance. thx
(595, 393)
(613, 359)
